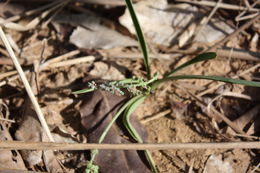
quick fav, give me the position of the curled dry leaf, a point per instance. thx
(96, 112)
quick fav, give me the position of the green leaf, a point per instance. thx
(126, 119)
(83, 91)
(215, 78)
(129, 110)
(140, 36)
(199, 58)
(121, 110)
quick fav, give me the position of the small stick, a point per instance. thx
(6, 74)
(215, 112)
(255, 169)
(240, 29)
(42, 66)
(239, 54)
(104, 2)
(72, 61)
(250, 16)
(5, 170)
(31, 12)
(213, 11)
(247, 117)
(221, 5)
(247, 136)
(7, 120)
(33, 22)
(245, 10)
(130, 55)
(62, 57)
(191, 166)
(26, 85)
(154, 117)
(21, 145)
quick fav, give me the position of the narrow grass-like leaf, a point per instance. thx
(215, 78)
(123, 108)
(83, 91)
(129, 110)
(126, 119)
(140, 36)
(199, 58)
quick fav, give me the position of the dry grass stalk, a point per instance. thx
(221, 5)
(31, 12)
(255, 169)
(21, 145)
(239, 17)
(72, 61)
(239, 54)
(207, 19)
(43, 66)
(105, 2)
(215, 112)
(26, 84)
(7, 120)
(33, 23)
(157, 116)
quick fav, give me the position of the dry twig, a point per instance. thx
(239, 17)
(154, 117)
(239, 54)
(48, 64)
(20, 145)
(221, 5)
(215, 112)
(240, 29)
(26, 84)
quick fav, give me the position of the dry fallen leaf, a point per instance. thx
(96, 112)
(30, 130)
(91, 34)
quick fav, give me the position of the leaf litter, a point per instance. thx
(84, 123)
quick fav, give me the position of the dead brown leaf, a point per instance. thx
(30, 130)
(96, 113)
